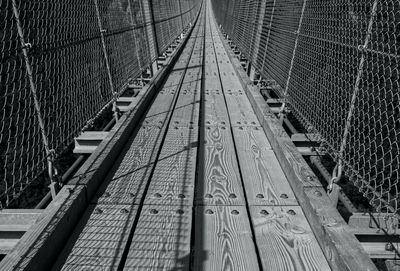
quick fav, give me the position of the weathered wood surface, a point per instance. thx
(264, 181)
(214, 108)
(285, 240)
(174, 176)
(41, 244)
(240, 111)
(162, 107)
(187, 110)
(341, 249)
(336, 230)
(161, 239)
(223, 239)
(218, 169)
(129, 177)
(99, 239)
(13, 224)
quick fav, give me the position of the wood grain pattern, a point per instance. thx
(240, 111)
(223, 239)
(329, 237)
(174, 176)
(41, 244)
(285, 240)
(163, 104)
(297, 163)
(214, 108)
(99, 239)
(128, 178)
(337, 230)
(162, 239)
(218, 169)
(187, 110)
(264, 180)
(161, 108)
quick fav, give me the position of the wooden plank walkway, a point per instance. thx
(198, 186)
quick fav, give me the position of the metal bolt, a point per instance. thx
(232, 196)
(181, 196)
(235, 212)
(260, 196)
(389, 247)
(124, 211)
(180, 212)
(157, 195)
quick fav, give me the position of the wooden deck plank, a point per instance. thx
(174, 176)
(214, 108)
(285, 240)
(127, 180)
(339, 247)
(223, 239)
(187, 110)
(162, 107)
(40, 245)
(218, 169)
(264, 180)
(100, 238)
(161, 240)
(187, 115)
(240, 111)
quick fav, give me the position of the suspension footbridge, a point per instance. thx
(201, 132)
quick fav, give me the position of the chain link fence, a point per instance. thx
(337, 65)
(82, 55)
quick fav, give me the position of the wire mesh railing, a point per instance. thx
(82, 56)
(337, 64)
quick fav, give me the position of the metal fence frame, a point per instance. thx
(338, 67)
(62, 62)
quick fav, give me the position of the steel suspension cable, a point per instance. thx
(50, 153)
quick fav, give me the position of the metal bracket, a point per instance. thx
(333, 188)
